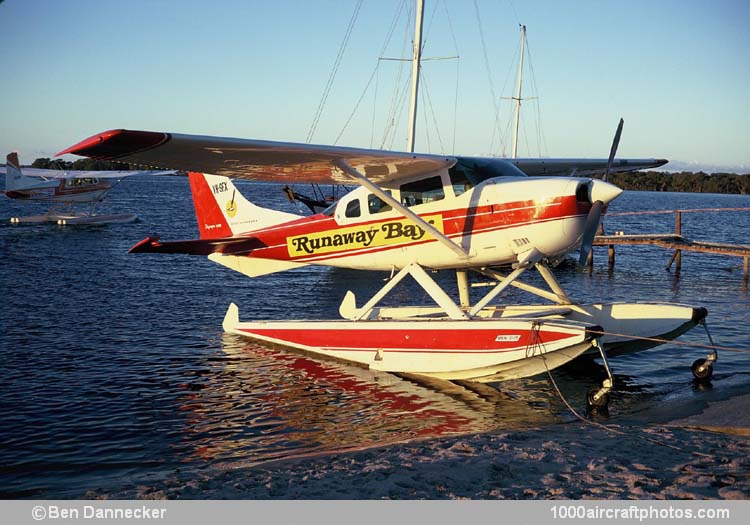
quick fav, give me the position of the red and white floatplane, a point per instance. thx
(411, 213)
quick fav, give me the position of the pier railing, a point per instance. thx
(673, 241)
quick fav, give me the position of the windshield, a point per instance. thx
(474, 170)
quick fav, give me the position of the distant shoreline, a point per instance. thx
(683, 182)
(679, 182)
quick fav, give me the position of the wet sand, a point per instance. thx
(577, 460)
(731, 417)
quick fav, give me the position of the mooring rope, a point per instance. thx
(670, 341)
(537, 342)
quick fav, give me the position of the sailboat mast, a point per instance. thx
(517, 98)
(416, 58)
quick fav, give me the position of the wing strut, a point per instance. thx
(386, 197)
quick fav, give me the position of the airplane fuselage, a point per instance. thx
(493, 223)
(63, 190)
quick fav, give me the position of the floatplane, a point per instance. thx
(413, 213)
(65, 190)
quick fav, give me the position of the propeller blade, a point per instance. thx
(613, 149)
(589, 232)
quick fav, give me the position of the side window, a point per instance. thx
(422, 191)
(376, 205)
(352, 209)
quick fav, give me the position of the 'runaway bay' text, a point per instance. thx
(356, 237)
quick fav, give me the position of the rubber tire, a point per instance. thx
(602, 402)
(704, 376)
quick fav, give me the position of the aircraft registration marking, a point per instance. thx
(356, 237)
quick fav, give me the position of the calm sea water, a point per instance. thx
(114, 370)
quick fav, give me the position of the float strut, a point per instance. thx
(599, 397)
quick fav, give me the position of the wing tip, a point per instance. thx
(116, 143)
(145, 246)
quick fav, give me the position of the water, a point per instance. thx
(115, 373)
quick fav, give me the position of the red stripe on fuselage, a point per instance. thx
(456, 223)
(64, 189)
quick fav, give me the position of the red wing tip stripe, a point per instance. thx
(144, 245)
(117, 143)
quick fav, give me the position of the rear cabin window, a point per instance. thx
(352, 209)
(422, 191)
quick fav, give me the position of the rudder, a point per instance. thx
(14, 178)
(222, 211)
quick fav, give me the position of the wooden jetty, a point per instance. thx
(674, 241)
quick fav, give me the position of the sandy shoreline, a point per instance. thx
(576, 460)
(569, 461)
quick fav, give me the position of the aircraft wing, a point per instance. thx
(582, 167)
(254, 159)
(85, 174)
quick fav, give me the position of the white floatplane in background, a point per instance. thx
(64, 190)
(411, 213)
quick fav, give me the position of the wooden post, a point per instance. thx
(678, 231)
(590, 258)
(611, 253)
(745, 271)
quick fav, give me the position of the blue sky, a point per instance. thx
(677, 71)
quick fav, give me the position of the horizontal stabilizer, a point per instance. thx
(227, 245)
(253, 266)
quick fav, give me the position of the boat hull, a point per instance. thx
(480, 350)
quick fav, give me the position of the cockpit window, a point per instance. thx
(77, 181)
(376, 205)
(460, 181)
(422, 191)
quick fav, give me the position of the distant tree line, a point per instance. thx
(81, 164)
(686, 181)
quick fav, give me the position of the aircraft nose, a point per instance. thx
(603, 191)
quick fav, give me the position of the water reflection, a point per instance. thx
(258, 404)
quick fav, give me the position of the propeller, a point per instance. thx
(592, 219)
(613, 149)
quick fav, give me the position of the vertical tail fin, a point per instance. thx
(14, 179)
(222, 211)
